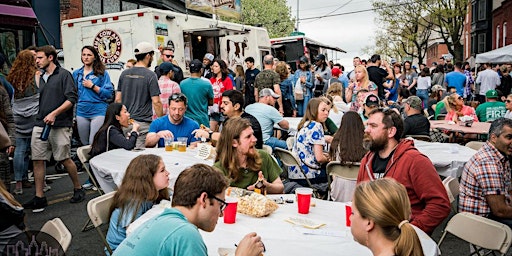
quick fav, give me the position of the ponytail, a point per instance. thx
(407, 243)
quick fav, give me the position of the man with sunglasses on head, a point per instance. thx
(389, 156)
(167, 55)
(173, 125)
(198, 202)
(138, 90)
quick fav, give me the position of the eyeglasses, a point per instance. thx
(222, 203)
(460, 98)
(169, 56)
(179, 97)
(508, 101)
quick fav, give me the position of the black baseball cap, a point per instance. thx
(195, 66)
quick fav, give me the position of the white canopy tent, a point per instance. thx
(500, 55)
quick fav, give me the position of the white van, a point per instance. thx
(116, 34)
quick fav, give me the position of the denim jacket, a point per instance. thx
(309, 81)
(287, 90)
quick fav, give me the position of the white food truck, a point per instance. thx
(115, 35)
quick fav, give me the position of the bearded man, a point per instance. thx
(391, 157)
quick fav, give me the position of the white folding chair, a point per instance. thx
(348, 173)
(83, 155)
(420, 137)
(58, 231)
(99, 212)
(451, 185)
(476, 145)
(288, 160)
(479, 232)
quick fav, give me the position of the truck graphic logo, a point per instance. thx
(108, 44)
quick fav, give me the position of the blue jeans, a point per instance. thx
(275, 142)
(21, 158)
(302, 105)
(423, 95)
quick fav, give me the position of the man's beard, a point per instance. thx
(374, 145)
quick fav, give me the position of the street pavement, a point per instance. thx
(89, 243)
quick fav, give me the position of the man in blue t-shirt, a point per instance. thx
(174, 125)
(456, 79)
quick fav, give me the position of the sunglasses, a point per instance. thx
(178, 97)
(223, 203)
(169, 56)
(508, 101)
(460, 98)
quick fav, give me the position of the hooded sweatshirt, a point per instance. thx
(428, 197)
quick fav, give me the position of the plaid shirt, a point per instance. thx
(486, 173)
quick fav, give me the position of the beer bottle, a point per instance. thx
(260, 187)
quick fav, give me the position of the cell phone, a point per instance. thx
(138, 149)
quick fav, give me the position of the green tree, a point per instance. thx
(448, 19)
(404, 30)
(274, 15)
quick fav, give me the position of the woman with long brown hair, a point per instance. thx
(380, 219)
(23, 77)
(347, 147)
(144, 184)
(220, 83)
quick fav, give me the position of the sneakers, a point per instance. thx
(18, 191)
(78, 196)
(88, 185)
(26, 184)
(46, 187)
(37, 204)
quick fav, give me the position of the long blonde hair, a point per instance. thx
(365, 82)
(385, 201)
(8, 196)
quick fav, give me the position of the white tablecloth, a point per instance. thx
(448, 158)
(114, 163)
(283, 238)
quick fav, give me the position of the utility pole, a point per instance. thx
(297, 17)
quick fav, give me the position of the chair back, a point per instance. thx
(451, 185)
(347, 171)
(58, 230)
(441, 117)
(479, 231)
(476, 145)
(99, 212)
(268, 149)
(83, 155)
(290, 141)
(420, 137)
(288, 159)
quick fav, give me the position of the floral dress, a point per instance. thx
(311, 134)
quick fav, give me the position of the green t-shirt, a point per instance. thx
(439, 109)
(490, 111)
(266, 79)
(269, 168)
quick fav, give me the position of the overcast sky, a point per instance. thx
(350, 32)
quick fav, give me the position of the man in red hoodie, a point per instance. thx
(390, 157)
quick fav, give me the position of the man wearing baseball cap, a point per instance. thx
(207, 62)
(415, 123)
(267, 116)
(138, 90)
(199, 92)
(492, 109)
(371, 102)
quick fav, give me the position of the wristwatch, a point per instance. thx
(210, 135)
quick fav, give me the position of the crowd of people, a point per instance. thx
(361, 116)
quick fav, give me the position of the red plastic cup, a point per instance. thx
(230, 211)
(348, 212)
(303, 199)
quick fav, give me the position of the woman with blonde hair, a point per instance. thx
(13, 217)
(144, 184)
(380, 219)
(455, 108)
(361, 81)
(286, 87)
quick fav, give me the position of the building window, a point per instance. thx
(474, 11)
(127, 6)
(481, 43)
(466, 43)
(111, 6)
(504, 33)
(482, 10)
(498, 36)
(91, 7)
